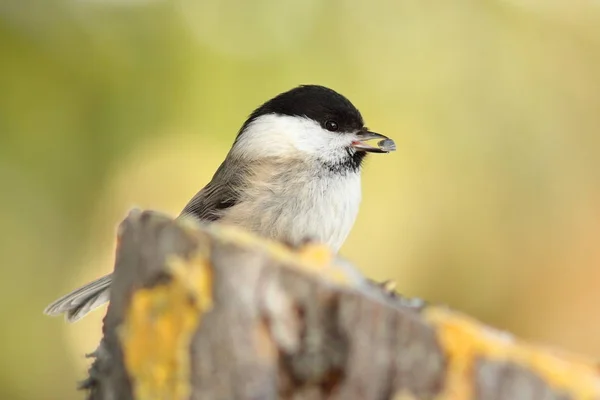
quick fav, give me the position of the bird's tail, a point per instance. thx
(83, 300)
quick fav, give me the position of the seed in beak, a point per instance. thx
(387, 145)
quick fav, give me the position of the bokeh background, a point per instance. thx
(490, 205)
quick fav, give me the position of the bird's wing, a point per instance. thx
(221, 193)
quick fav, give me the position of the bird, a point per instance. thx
(292, 173)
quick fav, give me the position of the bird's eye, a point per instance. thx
(331, 126)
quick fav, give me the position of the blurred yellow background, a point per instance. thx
(490, 205)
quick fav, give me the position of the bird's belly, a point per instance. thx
(329, 224)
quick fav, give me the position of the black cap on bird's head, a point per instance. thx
(321, 104)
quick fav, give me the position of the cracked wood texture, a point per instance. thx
(211, 312)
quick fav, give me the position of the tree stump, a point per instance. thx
(213, 312)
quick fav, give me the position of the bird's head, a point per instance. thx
(311, 123)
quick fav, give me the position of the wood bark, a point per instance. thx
(211, 312)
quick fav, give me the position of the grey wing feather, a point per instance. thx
(83, 300)
(221, 193)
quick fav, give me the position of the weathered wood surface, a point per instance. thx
(208, 312)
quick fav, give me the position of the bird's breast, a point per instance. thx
(299, 206)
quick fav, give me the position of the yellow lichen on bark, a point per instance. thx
(315, 258)
(317, 254)
(158, 329)
(465, 341)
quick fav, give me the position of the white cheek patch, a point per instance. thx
(287, 136)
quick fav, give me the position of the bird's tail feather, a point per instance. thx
(83, 300)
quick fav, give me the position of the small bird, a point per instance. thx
(292, 174)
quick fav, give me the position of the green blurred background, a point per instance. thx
(491, 203)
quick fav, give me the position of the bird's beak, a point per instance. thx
(385, 145)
